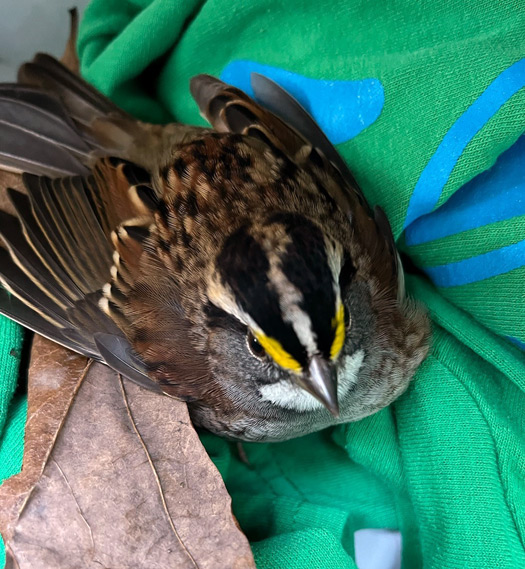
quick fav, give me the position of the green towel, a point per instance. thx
(421, 99)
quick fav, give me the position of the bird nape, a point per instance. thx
(238, 268)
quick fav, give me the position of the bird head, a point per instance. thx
(279, 278)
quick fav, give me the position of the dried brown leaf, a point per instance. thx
(123, 482)
(53, 378)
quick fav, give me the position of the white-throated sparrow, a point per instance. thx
(239, 269)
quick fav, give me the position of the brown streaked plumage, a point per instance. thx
(237, 268)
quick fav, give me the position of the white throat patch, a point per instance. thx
(286, 394)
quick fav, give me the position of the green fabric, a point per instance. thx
(444, 464)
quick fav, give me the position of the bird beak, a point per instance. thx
(321, 382)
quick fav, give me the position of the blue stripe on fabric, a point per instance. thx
(494, 195)
(341, 108)
(517, 342)
(480, 267)
(437, 172)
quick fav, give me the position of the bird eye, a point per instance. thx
(255, 347)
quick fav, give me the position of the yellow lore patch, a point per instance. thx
(338, 323)
(278, 353)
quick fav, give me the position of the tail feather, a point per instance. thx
(36, 119)
(55, 124)
(22, 149)
(38, 136)
(83, 102)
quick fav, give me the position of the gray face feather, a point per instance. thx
(281, 410)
